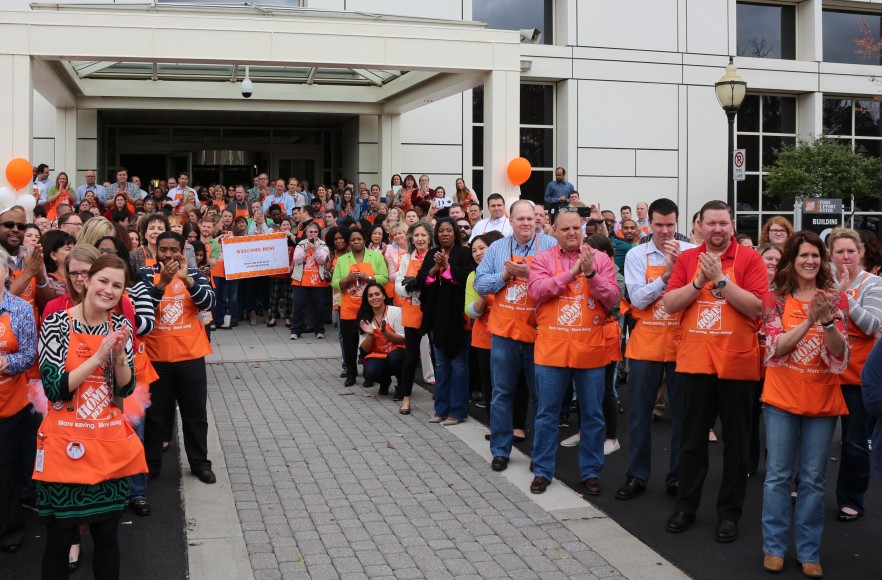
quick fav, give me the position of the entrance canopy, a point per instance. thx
(193, 57)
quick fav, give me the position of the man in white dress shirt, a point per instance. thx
(497, 220)
(177, 193)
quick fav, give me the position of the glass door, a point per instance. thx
(180, 161)
(301, 166)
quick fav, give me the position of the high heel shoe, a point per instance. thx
(404, 411)
(271, 323)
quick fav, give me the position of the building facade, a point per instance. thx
(620, 93)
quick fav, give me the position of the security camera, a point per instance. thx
(247, 88)
(533, 35)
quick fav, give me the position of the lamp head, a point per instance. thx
(731, 88)
(533, 35)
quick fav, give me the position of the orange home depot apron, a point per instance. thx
(350, 299)
(13, 388)
(803, 385)
(656, 334)
(716, 339)
(481, 337)
(411, 310)
(570, 333)
(148, 261)
(29, 293)
(178, 335)
(52, 206)
(311, 277)
(514, 312)
(859, 344)
(87, 440)
(612, 338)
(382, 347)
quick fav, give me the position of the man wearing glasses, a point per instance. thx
(28, 276)
(91, 185)
(71, 223)
(465, 230)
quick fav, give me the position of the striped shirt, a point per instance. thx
(866, 310)
(24, 328)
(201, 293)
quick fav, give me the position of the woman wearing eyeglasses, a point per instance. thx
(776, 231)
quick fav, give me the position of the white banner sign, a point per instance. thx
(251, 256)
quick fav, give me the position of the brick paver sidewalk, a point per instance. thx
(336, 485)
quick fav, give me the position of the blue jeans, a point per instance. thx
(854, 466)
(790, 436)
(382, 370)
(508, 359)
(227, 292)
(552, 383)
(452, 384)
(138, 483)
(644, 380)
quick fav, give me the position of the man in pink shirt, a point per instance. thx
(574, 287)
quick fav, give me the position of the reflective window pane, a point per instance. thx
(749, 115)
(837, 116)
(779, 114)
(766, 31)
(866, 119)
(478, 146)
(771, 145)
(537, 104)
(867, 147)
(751, 146)
(747, 193)
(516, 14)
(534, 188)
(477, 184)
(478, 104)
(747, 224)
(844, 33)
(537, 146)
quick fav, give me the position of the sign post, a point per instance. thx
(739, 157)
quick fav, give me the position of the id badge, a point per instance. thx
(38, 464)
(415, 300)
(511, 295)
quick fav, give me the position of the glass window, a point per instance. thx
(766, 30)
(851, 37)
(766, 123)
(478, 104)
(537, 105)
(837, 116)
(537, 146)
(516, 15)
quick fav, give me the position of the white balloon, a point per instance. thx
(28, 202)
(7, 197)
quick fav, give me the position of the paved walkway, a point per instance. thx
(320, 481)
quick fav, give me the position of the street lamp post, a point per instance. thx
(731, 90)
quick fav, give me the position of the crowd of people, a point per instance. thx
(109, 295)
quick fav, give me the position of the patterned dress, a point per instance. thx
(75, 504)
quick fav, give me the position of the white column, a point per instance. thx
(16, 108)
(567, 129)
(502, 101)
(66, 141)
(368, 149)
(390, 149)
(86, 134)
(809, 115)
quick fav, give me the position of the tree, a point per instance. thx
(822, 167)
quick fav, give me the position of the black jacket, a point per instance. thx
(443, 301)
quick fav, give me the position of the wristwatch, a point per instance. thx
(722, 283)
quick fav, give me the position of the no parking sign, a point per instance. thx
(738, 159)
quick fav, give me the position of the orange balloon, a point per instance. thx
(19, 172)
(519, 170)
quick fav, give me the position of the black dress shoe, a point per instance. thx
(206, 476)
(10, 549)
(592, 486)
(342, 375)
(727, 531)
(630, 490)
(679, 522)
(349, 382)
(499, 463)
(847, 517)
(140, 507)
(539, 484)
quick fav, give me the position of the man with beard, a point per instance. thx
(719, 288)
(239, 205)
(28, 275)
(177, 348)
(465, 230)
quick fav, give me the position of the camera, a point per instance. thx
(247, 88)
(584, 212)
(409, 283)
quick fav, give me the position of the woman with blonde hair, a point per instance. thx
(96, 228)
(776, 231)
(864, 292)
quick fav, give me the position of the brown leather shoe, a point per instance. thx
(206, 476)
(773, 564)
(539, 484)
(812, 570)
(592, 486)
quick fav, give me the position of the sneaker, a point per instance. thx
(297, 337)
(481, 405)
(320, 336)
(611, 446)
(573, 441)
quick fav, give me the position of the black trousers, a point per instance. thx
(349, 332)
(312, 298)
(11, 517)
(412, 339)
(705, 396)
(185, 382)
(105, 544)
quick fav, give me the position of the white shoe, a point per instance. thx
(295, 337)
(320, 336)
(611, 446)
(571, 441)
